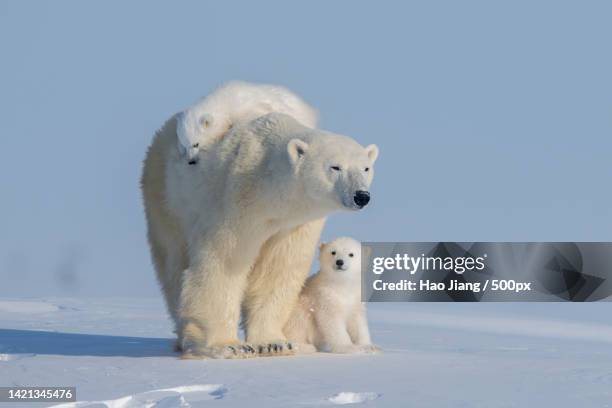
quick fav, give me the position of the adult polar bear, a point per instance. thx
(239, 230)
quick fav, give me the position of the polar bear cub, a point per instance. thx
(329, 315)
(203, 124)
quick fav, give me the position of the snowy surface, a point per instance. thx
(118, 353)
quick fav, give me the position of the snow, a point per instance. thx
(27, 307)
(344, 398)
(183, 396)
(118, 353)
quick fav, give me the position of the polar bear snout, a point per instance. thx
(193, 154)
(361, 198)
(341, 265)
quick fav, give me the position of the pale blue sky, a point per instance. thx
(493, 119)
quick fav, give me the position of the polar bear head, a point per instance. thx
(336, 171)
(197, 131)
(341, 256)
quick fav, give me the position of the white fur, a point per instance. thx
(239, 230)
(330, 315)
(204, 123)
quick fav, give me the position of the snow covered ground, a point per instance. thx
(118, 353)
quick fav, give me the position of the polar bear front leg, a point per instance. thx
(212, 291)
(358, 326)
(276, 280)
(360, 333)
(333, 333)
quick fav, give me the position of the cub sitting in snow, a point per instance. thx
(329, 315)
(203, 124)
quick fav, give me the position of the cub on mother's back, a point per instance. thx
(204, 123)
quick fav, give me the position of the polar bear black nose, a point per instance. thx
(362, 198)
(339, 262)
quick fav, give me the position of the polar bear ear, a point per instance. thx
(372, 152)
(296, 149)
(206, 120)
(322, 246)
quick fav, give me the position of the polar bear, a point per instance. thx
(204, 123)
(329, 315)
(238, 231)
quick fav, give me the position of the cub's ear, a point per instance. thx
(296, 149)
(206, 120)
(372, 152)
(322, 246)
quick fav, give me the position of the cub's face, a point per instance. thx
(342, 255)
(195, 133)
(336, 171)
(209, 129)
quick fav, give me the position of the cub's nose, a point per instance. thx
(339, 262)
(362, 198)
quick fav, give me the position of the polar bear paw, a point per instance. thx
(236, 351)
(279, 348)
(304, 348)
(370, 349)
(229, 351)
(355, 349)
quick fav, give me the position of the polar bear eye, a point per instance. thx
(351, 255)
(333, 252)
(336, 168)
(366, 169)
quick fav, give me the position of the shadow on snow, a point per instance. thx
(73, 344)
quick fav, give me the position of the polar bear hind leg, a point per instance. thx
(210, 302)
